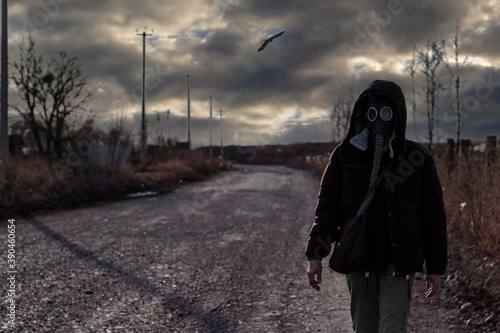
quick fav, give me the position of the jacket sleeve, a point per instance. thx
(433, 219)
(328, 215)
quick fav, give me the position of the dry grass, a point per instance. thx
(471, 196)
(28, 180)
(32, 183)
(315, 164)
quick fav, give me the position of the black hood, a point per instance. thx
(391, 92)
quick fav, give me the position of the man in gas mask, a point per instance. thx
(405, 218)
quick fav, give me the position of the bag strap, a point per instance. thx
(370, 192)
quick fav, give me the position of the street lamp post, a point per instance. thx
(210, 127)
(221, 146)
(168, 127)
(189, 115)
(143, 124)
(4, 112)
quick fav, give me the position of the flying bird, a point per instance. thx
(269, 40)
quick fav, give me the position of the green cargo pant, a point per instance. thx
(380, 301)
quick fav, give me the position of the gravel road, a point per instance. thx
(225, 255)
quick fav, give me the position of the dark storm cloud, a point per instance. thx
(480, 97)
(294, 132)
(393, 27)
(272, 75)
(483, 42)
(216, 42)
(219, 42)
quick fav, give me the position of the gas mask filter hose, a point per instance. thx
(377, 157)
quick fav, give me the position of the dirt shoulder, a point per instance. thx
(33, 185)
(472, 286)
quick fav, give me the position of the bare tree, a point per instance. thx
(430, 60)
(29, 70)
(455, 77)
(51, 93)
(160, 139)
(411, 67)
(118, 135)
(340, 114)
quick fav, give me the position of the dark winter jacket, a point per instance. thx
(416, 218)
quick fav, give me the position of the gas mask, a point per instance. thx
(379, 118)
(380, 122)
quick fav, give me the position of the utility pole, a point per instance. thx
(168, 127)
(210, 155)
(189, 116)
(4, 122)
(159, 130)
(143, 125)
(221, 146)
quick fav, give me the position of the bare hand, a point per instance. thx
(432, 283)
(314, 273)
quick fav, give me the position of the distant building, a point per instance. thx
(182, 145)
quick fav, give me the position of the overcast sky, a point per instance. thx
(281, 95)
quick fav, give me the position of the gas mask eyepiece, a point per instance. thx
(385, 113)
(380, 117)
